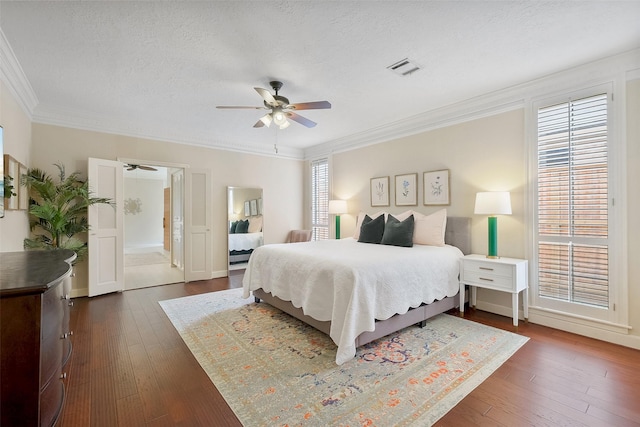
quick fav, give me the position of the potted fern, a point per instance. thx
(58, 210)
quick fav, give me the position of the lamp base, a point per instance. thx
(493, 256)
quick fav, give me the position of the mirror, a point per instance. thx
(244, 224)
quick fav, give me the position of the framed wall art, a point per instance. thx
(407, 189)
(436, 187)
(380, 191)
(247, 208)
(254, 207)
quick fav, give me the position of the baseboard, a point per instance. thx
(566, 324)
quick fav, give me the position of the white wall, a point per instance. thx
(144, 228)
(276, 176)
(14, 227)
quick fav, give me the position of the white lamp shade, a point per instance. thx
(493, 203)
(337, 207)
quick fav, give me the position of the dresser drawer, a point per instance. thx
(51, 354)
(51, 401)
(52, 312)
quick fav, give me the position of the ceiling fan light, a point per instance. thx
(285, 124)
(278, 117)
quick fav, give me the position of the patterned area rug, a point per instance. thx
(273, 369)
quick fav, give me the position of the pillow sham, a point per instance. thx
(243, 226)
(234, 225)
(430, 229)
(255, 224)
(398, 233)
(360, 220)
(371, 230)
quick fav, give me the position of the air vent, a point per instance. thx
(404, 67)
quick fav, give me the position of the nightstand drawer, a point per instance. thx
(485, 268)
(491, 281)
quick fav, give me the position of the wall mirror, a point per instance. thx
(244, 224)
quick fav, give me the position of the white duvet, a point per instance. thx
(351, 283)
(244, 241)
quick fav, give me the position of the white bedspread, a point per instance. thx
(351, 283)
(244, 241)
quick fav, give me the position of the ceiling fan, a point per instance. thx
(131, 167)
(281, 109)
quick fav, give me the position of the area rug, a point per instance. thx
(147, 258)
(273, 369)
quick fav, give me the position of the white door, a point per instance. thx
(106, 228)
(197, 238)
(177, 219)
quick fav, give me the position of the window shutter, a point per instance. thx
(320, 199)
(573, 201)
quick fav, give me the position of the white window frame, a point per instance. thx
(615, 318)
(315, 225)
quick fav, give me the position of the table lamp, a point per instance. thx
(493, 203)
(337, 207)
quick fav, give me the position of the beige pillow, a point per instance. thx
(361, 215)
(255, 224)
(429, 229)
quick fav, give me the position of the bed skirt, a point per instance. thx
(383, 327)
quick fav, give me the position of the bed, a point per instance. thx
(242, 245)
(245, 235)
(349, 290)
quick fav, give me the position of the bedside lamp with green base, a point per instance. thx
(493, 203)
(337, 207)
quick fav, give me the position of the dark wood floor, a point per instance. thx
(129, 367)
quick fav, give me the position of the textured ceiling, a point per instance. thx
(158, 69)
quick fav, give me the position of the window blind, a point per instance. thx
(573, 260)
(320, 199)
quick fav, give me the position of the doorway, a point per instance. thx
(151, 210)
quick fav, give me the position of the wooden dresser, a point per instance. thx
(35, 344)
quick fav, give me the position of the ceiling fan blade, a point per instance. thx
(266, 95)
(317, 105)
(147, 168)
(130, 168)
(258, 124)
(302, 120)
(227, 107)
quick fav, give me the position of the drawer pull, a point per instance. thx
(64, 336)
(70, 303)
(486, 280)
(64, 297)
(486, 268)
(63, 376)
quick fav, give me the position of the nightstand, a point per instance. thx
(500, 274)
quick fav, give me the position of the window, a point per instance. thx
(320, 199)
(573, 248)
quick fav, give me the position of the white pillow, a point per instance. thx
(255, 224)
(360, 218)
(429, 229)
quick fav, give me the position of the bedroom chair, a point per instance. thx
(299, 236)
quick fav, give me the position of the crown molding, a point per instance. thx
(14, 78)
(486, 105)
(82, 120)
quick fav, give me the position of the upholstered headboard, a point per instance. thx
(458, 233)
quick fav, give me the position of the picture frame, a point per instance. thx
(379, 191)
(11, 168)
(247, 208)
(436, 188)
(260, 206)
(406, 187)
(254, 207)
(23, 192)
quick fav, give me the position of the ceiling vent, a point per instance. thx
(404, 67)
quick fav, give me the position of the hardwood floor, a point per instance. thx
(129, 367)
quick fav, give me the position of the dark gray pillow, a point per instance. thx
(243, 226)
(234, 226)
(398, 233)
(371, 230)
